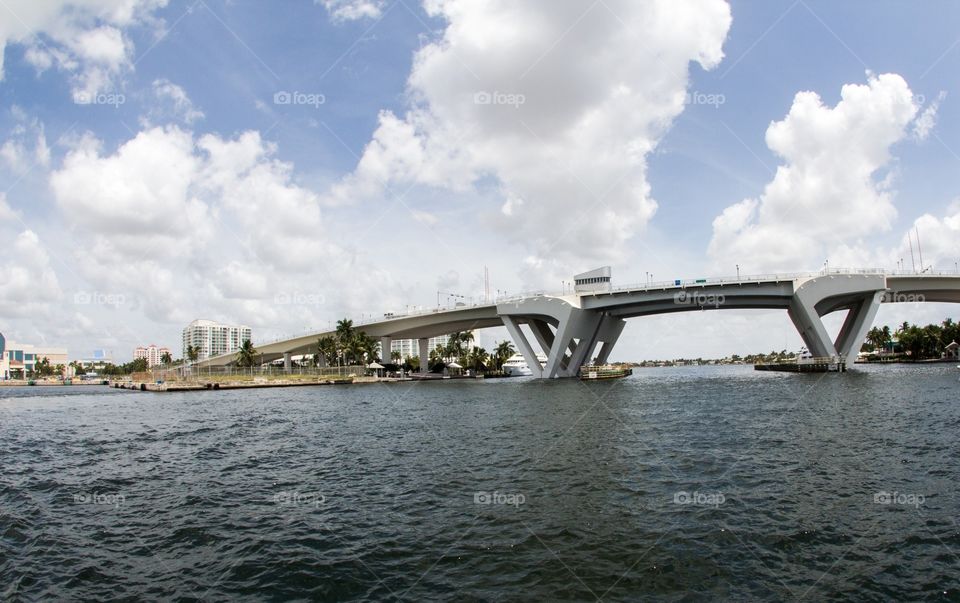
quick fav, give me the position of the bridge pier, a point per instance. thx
(424, 355)
(571, 345)
(287, 362)
(385, 344)
(817, 297)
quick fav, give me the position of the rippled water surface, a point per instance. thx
(686, 483)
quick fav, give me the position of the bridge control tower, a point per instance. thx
(593, 281)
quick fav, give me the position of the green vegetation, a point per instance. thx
(246, 355)
(346, 346)
(911, 342)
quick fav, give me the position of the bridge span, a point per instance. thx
(571, 329)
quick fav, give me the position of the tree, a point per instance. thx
(193, 352)
(327, 348)
(247, 354)
(396, 356)
(166, 358)
(477, 360)
(502, 353)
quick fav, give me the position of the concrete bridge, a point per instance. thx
(572, 329)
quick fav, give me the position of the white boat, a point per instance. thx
(517, 365)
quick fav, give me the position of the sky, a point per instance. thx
(283, 165)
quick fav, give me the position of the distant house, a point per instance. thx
(952, 351)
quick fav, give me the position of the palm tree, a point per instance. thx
(193, 352)
(327, 348)
(396, 356)
(246, 355)
(502, 353)
(478, 358)
(166, 358)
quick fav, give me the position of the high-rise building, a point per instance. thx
(152, 354)
(214, 339)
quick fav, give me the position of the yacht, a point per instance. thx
(517, 365)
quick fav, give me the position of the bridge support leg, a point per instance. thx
(575, 331)
(287, 362)
(609, 333)
(385, 344)
(424, 355)
(857, 324)
(513, 327)
(852, 333)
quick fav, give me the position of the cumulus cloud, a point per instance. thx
(833, 187)
(26, 147)
(29, 281)
(183, 226)
(557, 104)
(84, 38)
(352, 10)
(924, 124)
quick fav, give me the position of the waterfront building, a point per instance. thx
(17, 360)
(151, 353)
(213, 338)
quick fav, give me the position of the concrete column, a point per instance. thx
(576, 325)
(385, 343)
(513, 327)
(287, 362)
(811, 329)
(857, 324)
(610, 330)
(424, 355)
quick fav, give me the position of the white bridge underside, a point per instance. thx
(571, 330)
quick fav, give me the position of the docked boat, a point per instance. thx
(517, 365)
(592, 372)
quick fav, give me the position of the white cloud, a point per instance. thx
(185, 227)
(173, 102)
(29, 282)
(84, 38)
(352, 10)
(559, 104)
(26, 147)
(924, 124)
(826, 196)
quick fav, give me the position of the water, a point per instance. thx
(379, 492)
